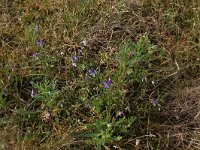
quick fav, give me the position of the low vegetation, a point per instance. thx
(99, 74)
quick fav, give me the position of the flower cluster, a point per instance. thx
(74, 58)
(92, 72)
(39, 43)
(107, 83)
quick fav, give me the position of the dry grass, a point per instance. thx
(181, 119)
(13, 138)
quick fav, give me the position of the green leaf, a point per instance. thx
(129, 71)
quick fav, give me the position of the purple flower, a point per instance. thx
(92, 72)
(32, 92)
(36, 55)
(74, 58)
(80, 50)
(107, 83)
(88, 106)
(120, 113)
(155, 102)
(39, 43)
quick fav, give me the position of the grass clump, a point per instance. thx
(94, 74)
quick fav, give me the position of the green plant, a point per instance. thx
(107, 130)
(76, 13)
(101, 70)
(46, 93)
(134, 59)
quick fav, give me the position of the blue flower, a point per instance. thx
(88, 106)
(74, 58)
(120, 113)
(92, 72)
(80, 50)
(39, 43)
(155, 102)
(107, 83)
(36, 55)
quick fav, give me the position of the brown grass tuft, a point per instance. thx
(181, 127)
